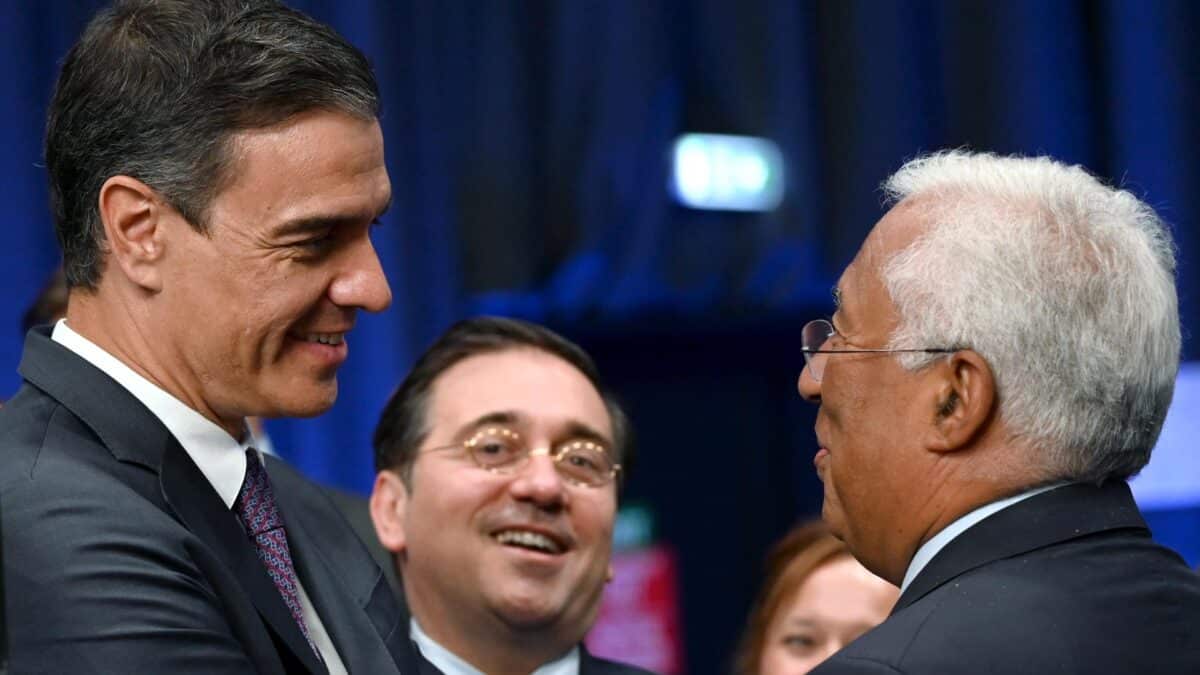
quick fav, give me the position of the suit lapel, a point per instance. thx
(340, 594)
(1054, 516)
(134, 435)
(193, 499)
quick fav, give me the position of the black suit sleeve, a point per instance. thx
(99, 581)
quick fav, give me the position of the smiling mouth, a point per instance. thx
(533, 541)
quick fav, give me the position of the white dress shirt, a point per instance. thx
(451, 664)
(220, 457)
(939, 541)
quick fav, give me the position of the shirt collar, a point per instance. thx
(931, 548)
(220, 457)
(451, 664)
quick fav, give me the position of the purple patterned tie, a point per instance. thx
(255, 505)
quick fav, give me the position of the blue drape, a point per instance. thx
(527, 144)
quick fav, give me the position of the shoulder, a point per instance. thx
(29, 422)
(1049, 611)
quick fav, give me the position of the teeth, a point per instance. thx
(326, 338)
(528, 539)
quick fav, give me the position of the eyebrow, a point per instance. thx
(575, 430)
(836, 292)
(323, 221)
(503, 417)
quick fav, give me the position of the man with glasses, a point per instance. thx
(499, 459)
(1000, 362)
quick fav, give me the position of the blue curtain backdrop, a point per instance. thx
(527, 145)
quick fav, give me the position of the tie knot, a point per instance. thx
(255, 503)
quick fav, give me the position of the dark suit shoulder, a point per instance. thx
(1110, 602)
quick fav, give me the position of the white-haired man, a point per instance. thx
(1001, 360)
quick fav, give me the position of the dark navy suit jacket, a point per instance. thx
(1067, 581)
(121, 558)
(588, 665)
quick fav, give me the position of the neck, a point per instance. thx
(952, 494)
(120, 328)
(485, 641)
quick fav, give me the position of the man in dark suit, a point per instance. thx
(499, 458)
(1001, 360)
(215, 168)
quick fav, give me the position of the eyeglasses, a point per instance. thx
(818, 331)
(500, 450)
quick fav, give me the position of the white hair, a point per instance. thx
(1064, 285)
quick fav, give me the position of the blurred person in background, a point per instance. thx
(816, 598)
(215, 169)
(499, 458)
(1000, 362)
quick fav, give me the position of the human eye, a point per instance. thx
(495, 446)
(585, 461)
(799, 642)
(317, 242)
(312, 247)
(582, 460)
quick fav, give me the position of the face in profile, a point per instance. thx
(259, 305)
(873, 411)
(839, 601)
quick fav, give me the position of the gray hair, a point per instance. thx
(1064, 285)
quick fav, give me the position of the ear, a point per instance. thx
(389, 499)
(131, 214)
(965, 402)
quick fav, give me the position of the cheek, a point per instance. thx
(594, 521)
(444, 496)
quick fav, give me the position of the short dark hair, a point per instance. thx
(403, 426)
(154, 89)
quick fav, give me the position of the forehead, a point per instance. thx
(543, 390)
(315, 162)
(842, 590)
(898, 228)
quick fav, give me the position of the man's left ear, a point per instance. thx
(133, 219)
(964, 401)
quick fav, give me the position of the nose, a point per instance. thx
(808, 386)
(539, 482)
(361, 283)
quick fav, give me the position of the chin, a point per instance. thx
(527, 612)
(310, 402)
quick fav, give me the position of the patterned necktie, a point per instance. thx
(255, 505)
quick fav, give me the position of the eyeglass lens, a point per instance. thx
(581, 462)
(812, 338)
